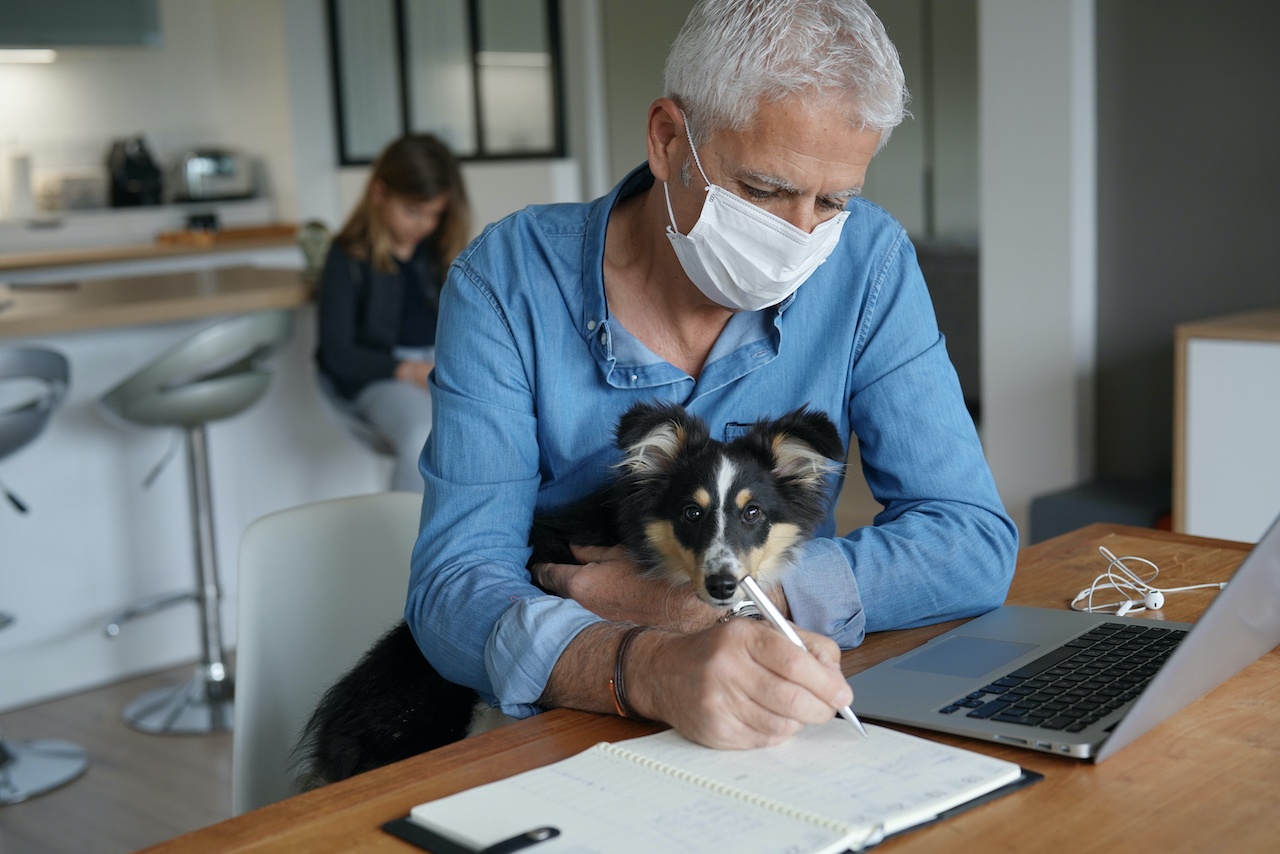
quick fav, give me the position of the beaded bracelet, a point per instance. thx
(618, 683)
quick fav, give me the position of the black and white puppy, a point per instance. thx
(708, 513)
(690, 509)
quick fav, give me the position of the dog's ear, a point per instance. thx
(652, 436)
(805, 445)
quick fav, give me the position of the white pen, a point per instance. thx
(771, 612)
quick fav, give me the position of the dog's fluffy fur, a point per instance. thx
(689, 508)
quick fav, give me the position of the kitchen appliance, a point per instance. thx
(135, 177)
(214, 173)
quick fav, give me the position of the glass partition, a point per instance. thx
(483, 75)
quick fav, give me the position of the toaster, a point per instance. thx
(212, 173)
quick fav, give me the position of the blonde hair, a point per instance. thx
(418, 167)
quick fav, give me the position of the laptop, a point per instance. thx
(1073, 683)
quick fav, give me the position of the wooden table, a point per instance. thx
(74, 306)
(1208, 779)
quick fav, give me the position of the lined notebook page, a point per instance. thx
(890, 779)
(604, 803)
(824, 790)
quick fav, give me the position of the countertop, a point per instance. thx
(234, 240)
(1258, 325)
(129, 301)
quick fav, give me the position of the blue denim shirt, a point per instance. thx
(531, 375)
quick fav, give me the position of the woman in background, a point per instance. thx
(379, 291)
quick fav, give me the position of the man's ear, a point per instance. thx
(665, 135)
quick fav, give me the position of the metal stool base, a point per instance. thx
(197, 706)
(32, 768)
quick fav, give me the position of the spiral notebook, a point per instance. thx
(825, 790)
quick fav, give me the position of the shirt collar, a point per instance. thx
(621, 357)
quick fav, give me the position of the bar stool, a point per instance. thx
(217, 373)
(33, 382)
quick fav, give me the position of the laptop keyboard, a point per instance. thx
(1078, 683)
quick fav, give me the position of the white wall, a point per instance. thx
(218, 78)
(252, 86)
(310, 113)
(1038, 269)
(586, 97)
(253, 73)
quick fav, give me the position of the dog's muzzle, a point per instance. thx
(722, 586)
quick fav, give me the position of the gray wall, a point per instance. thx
(940, 139)
(1188, 199)
(1188, 183)
(637, 37)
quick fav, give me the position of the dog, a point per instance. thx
(690, 509)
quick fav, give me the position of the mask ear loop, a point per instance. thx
(666, 192)
(689, 135)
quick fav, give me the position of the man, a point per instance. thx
(739, 275)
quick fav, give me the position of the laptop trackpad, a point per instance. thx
(966, 656)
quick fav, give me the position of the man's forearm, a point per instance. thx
(580, 677)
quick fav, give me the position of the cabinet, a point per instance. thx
(1227, 426)
(65, 23)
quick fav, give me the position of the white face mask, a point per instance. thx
(743, 257)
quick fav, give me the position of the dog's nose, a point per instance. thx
(721, 586)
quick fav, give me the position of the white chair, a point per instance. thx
(318, 585)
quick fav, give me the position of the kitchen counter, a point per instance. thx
(44, 309)
(139, 252)
(97, 539)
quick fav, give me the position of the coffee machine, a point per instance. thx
(135, 179)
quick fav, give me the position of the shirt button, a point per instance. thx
(591, 325)
(634, 378)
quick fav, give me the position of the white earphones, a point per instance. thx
(1139, 593)
(1151, 600)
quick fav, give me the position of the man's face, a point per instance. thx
(799, 164)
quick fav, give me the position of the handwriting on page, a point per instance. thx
(889, 777)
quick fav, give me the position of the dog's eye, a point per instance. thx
(692, 513)
(752, 513)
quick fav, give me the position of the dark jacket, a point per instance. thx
(359, 316)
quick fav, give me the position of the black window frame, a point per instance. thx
(557, 149)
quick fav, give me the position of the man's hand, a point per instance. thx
(740, 684)
(609, 582)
